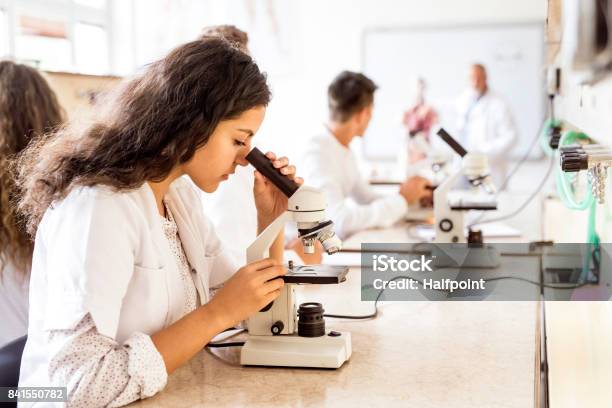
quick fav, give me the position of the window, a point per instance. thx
(58, 35)
(4, 34)
(43, 43)
(99, 4)
(91, 49)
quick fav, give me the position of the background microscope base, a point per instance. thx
(295, 351)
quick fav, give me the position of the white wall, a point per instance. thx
(326, 39)
(330, 33)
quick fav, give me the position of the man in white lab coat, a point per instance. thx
(331, 165)
(485, 123)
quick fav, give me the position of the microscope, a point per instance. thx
(450, 206)
(277, 337)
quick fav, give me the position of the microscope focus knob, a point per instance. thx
(277, 328)
(446, 225)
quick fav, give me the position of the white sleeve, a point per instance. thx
(506, 134)
(363, 193)
(90, 260)
(348, 216)
(98, 371)
(90, 265)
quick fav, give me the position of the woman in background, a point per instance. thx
(28, 108)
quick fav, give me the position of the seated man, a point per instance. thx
(332, 166)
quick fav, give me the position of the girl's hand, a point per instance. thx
(269, 200)
(244, 294)
(248, 291)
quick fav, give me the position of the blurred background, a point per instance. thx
(87, 45)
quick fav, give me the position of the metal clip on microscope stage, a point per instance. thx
(276, 336)
(593, 158)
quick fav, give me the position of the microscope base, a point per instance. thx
(295, 351)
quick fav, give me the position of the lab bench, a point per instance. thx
(423, 353)
(420, 353)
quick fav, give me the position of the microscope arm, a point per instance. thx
(441, 192)
(260, 248)
(448, 223)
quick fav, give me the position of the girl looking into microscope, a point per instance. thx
(124, 259)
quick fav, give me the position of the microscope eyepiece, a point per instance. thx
(264, 165)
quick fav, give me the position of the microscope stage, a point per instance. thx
(319, 274)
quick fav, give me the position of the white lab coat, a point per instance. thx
(13, 304)
(351, 203)
(233, 205)
(486, 125)
(105, 253)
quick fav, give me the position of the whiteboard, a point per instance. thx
(512, 53)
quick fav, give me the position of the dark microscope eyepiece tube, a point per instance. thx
(264, 165)
(452, 142)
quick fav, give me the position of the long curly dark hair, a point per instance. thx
(146, 127)
(28, 108)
